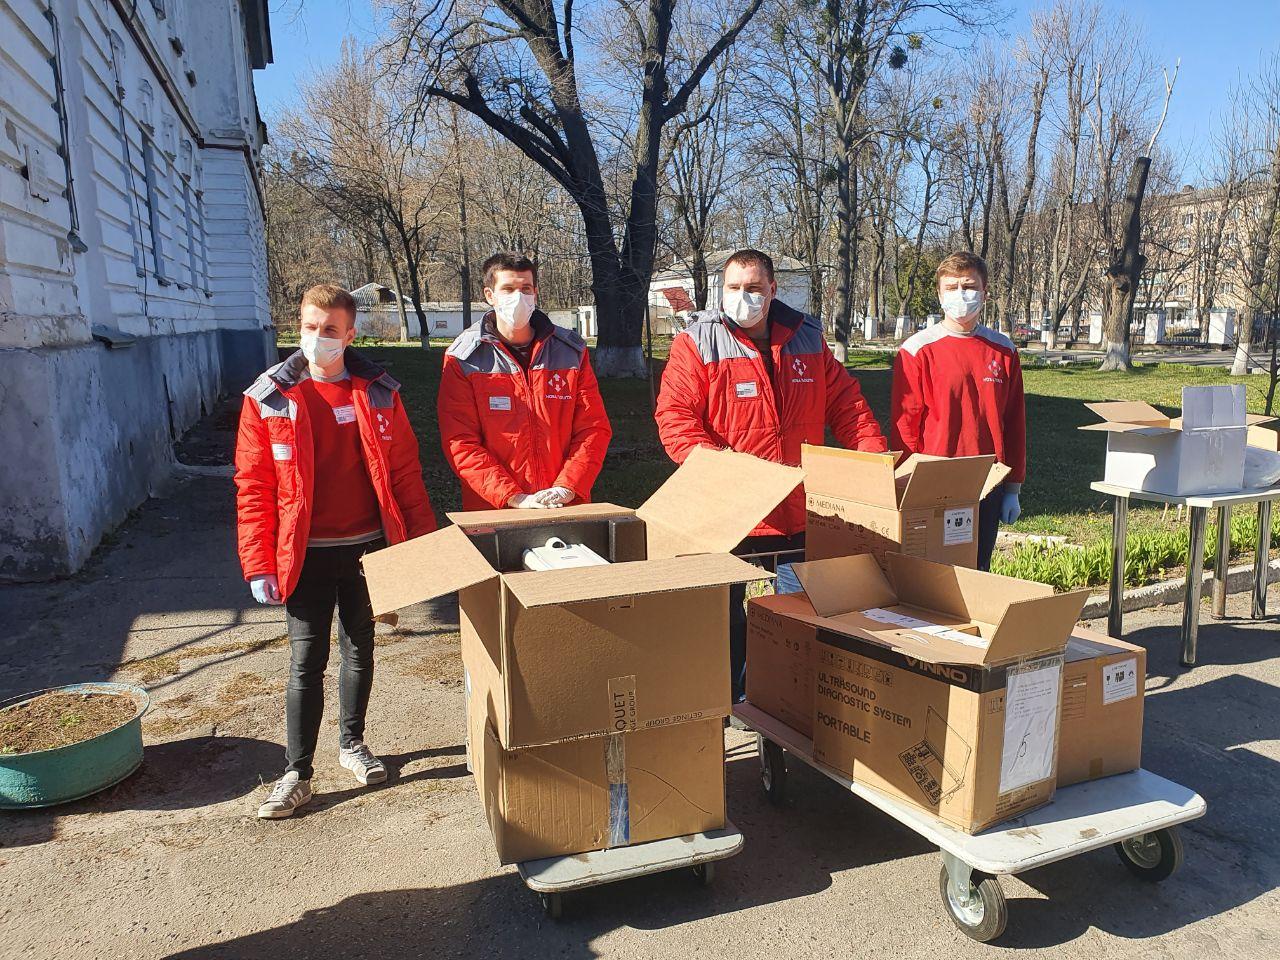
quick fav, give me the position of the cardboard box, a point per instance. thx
(780, 650)
(1201, 452)
(635, 644)
(599, 792)
(1102, 698)
(936, 684)
(926, 507)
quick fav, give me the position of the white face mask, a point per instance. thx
(961, 304)
(515, 309)
(744, 308)
(321, 351)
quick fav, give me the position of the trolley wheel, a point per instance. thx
(984, 915)
(552, 905)
(1152, 856)
(705, 873)
(773, 771)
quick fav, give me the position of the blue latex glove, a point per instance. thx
(266, 589)
(1010, 508)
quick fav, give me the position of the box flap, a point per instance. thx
(1216, 406)
(712, 501)
(850, 475)
(941, 480)
(1129, 416)
(544, 588)
(961, 591)
(423, 568)
(473, 519)
(997, 475)
(1035, 625)
(842, 584)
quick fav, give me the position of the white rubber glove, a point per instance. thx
(527, 501)
(266, 589)
(1010, 508)
(555, 496)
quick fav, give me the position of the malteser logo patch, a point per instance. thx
(996, 369)
(799, 370)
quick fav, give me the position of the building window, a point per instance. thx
(153, 208)
(1188, 219)
(442, 324)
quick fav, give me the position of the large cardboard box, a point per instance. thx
(1201, 452)
(1102, 699)
(937, 684)
(631, 645)
(598, 792)
(926, 507)
(780, 655)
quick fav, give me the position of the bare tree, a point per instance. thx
(513, 64)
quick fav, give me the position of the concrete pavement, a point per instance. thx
(173, 863)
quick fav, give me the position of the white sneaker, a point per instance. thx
(360, 760)
(287, 795)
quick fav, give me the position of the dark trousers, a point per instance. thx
(792, 548)
(989, 526)
(331, 576)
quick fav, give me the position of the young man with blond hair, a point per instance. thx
(957, 392)
(326, 470)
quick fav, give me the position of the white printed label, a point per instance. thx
(499, 403)
(746, 390)
(1032, 694)
(1120, 681)
(282, 451)
(346, 414)
(957, 526)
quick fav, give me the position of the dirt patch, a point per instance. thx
(443, 666)
(231, 702)
(161, 665)
(61, 719)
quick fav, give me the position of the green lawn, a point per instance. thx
(1062, 460)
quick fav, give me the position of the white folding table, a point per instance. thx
(1198, 507)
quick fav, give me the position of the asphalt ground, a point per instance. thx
(172, 862)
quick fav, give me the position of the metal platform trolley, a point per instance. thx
(1137, 813)
(553, 877)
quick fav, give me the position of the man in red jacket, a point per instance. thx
(326, 471)
(521, 419)
(957, 392)
(758, 377)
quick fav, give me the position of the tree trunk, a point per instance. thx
(404, 320)
(699, 271)
(1123, 272)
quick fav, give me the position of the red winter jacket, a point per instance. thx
(506, 430)
(716, 393)
(275, 467)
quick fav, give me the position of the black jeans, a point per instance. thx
(989, 525)
(792, 549)
(330, 576)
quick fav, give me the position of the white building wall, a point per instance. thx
(162, 252)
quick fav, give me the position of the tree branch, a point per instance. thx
(676, 105)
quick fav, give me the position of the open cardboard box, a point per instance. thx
(632, 645)
(937, 684)
(858, 502)
(1198, 453)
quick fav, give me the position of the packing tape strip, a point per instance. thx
(615, 764)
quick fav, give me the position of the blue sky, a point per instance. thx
(1215, 49)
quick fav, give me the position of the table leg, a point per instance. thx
(1262, 560)
(1195, 576)
(1119, 531)
(1220, 565)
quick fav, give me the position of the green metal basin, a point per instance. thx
(62, 774)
